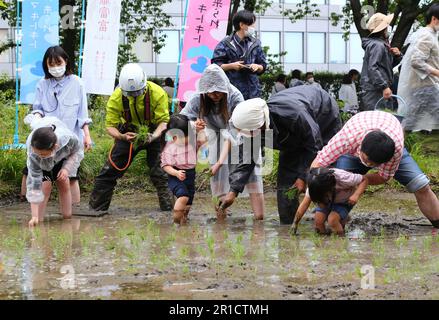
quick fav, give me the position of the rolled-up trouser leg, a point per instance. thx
(158, 177)
(106, 181)
(286, 176)
(435, 223)
(370, 99)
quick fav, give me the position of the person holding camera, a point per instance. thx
(241, 56)
(135, 105)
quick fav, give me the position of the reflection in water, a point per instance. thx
(136, 254)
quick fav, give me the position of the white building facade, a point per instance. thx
(311, 44)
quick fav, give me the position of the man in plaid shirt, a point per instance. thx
(375, 139)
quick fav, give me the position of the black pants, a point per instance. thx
(370, 99)
(106, 181)
(286, 176)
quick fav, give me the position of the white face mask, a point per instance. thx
(51, 155)
(250, 32)
(436, 28)
(311, 80)
(58, 72)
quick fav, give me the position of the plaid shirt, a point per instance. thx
(350, 137)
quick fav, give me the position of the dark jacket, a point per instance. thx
(246, 81)
(303, 120)
(378, 62)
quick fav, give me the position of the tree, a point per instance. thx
(356, 12)
(406, 12)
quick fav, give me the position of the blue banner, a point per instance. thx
(40, 30)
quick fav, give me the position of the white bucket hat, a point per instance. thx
(379, 22)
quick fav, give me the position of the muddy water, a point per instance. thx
(136, 253)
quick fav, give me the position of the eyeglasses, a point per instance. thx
(133, 93)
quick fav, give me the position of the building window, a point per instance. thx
(170, 51)
(271, 40)
(293, 44)
(143, 50)
(6, 55)
(337, 48)
(316, 47)
(356, 50)
(337, 2)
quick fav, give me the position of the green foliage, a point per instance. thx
(292, 193)
(329, 81)
(303, 9)
(274, 68)
(142, 136)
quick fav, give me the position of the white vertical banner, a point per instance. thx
(101, 46)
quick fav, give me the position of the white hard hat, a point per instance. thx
(132, 79)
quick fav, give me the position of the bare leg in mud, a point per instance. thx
(257, 203)
(428, 203)
(319, 220)
(180, 209)
(335, 223)
(38, 210)
(75, 191)
(221, 213)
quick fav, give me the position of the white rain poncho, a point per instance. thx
(417, 86)
(67, 147)
(214, 79)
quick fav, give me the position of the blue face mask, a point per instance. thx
(168, 138)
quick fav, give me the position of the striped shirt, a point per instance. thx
(348, 140)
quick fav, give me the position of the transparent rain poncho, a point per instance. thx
(67, 147)
(214, 79)
(417, 86)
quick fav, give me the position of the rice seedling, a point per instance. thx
(292, 193)
(13, 221)
(60, 242)
(185, 269)
(392, 275)
(401, 241)
(238, 249)
(142, 136)
(86, 239)
(100, 233)
(316, 240)
(184, 252)
(427, 243)
(210, 241)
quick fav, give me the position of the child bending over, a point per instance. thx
(335, 192)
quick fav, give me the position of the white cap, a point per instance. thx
(251, 115)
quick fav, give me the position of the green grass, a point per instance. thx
(423, 148)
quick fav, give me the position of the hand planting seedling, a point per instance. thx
(292, 193)
(142, 137)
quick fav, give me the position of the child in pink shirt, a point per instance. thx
(335, 192)
(178, 160)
